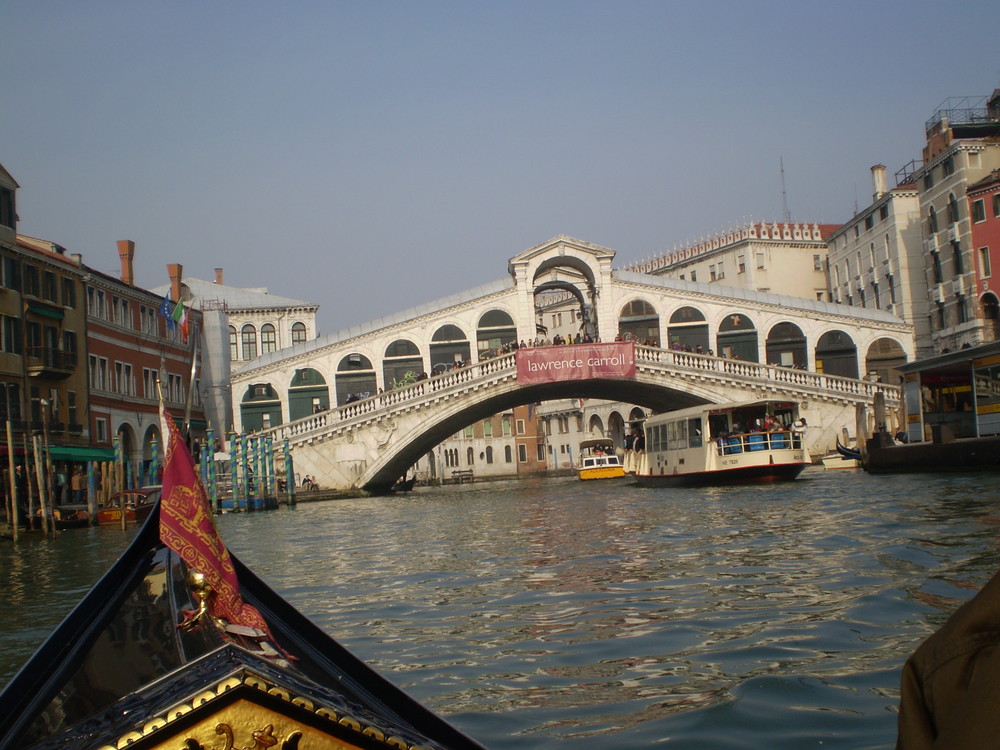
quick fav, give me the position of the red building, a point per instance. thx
(984, 212)
(129, 348)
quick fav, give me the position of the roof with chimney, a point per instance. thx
(232, 298)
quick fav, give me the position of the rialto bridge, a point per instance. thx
(356, 414)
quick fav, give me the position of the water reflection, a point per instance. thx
(536, 613)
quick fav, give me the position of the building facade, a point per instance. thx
(984, 210)
(241, 324)
(876, 258)
(962, 148)
(133, 355)
(780, 258)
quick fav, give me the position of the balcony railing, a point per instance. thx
(49, 362)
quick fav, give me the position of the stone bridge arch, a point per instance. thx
(407, 442)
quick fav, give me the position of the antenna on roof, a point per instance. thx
(784, 196)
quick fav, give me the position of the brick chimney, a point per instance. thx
(126, 252)
(218, 276)
(176, 270)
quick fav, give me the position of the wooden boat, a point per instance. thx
(135, 504)
(120, 672)
(735, 443)
(598, 460)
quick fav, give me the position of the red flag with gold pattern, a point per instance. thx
(186, 527)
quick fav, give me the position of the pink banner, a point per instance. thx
(550, 364)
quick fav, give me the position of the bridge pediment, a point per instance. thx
(561, 251)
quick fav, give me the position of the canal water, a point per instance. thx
(556, 613)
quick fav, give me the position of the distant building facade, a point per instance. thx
(776, 257)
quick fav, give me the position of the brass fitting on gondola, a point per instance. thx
(203, 593)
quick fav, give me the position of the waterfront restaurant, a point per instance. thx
(953, 395)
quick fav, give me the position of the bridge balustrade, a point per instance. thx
(457, 380)
(764, 373)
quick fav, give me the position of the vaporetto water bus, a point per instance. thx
(734, 443)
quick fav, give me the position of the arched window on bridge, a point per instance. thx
(638, 321)
(307, 394)
(260, 407)
(234, 344)
(268, 339)
(786, 346)
(449, 346)
(688, 330)
(249, 336)
(298, 332)
(837, 354)
(355, 379)
(495, 329)
(737, 338)
(402, 364)
(884, 356)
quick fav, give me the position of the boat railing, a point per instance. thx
(749, 442)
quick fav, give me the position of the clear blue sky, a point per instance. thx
(372, 156)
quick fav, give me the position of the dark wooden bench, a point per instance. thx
(462, 475)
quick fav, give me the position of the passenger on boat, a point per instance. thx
(949, 692)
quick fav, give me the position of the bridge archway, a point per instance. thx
(401, 364)
(495, 330)
(307, 393)
(639, 321)
(882, 359)
(384, 469)
(449, 345)
(260, 407)
(786, 346)
(688, 330)
(355, 378)
(737, 338)
(837, 354)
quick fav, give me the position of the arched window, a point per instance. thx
(932, 221)
(508, 454)
(470, 457)
(298, 333)
(268, 339)
(489, 454)
(249, 334)
(952, 209)
(234, 344)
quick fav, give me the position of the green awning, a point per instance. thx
(80, 453)
(44, 311)
(198, 424)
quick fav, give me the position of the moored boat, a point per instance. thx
(598, 460)
(135, 504)
(735, 443)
